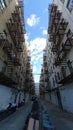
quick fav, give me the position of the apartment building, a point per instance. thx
(44, 78)
(29, 80)
(13, 52)
(60, 54)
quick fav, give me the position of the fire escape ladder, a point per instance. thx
(15, 28)
(66, 46)
(54, 49)
(10, 66)
(16, 61)
(3, 40)
(8, 49)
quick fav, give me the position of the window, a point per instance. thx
(63, 1)
(70, 66)
(68, 33)
(63, 71)
(4, 34)
(2, 4)
(58, 75)
(70, 4)
(53, 82)
(9, 1)
(55, 78)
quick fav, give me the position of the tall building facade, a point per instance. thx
(13, 52)
(60, 54)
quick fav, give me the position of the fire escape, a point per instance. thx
(28, 77)
(16, 31)
(13, 50)
(45, 73)
(57, 30)
(7, 67)
(41, 86)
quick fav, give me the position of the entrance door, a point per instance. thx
(59, 99)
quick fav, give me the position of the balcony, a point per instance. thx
(8, 48)
(12, 29)
(27, 80)
(70, 36)
(65, 49)
(67, 79)
(45, 63)
(46, 80)
(44, 58)
(45, 71)
(67, 46)
(28, 64)
(28, 72)
(51, 37)
(19, 47)
(16, 31)
(3, 39)
(61, 27)
(52, 9)
(18, 18)
(66, 74)
(54, 48)
(59, 33)
(55, 16)
(10, 25)
(57, 61)
(5, 79)
(16, 60)
(57, 27)
(62, 54)
(48, 89)
(28, 58)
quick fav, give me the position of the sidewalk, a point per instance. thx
(60, 119)
(16, 121)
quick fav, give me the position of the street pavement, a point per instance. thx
(16, 121)
(60, 119)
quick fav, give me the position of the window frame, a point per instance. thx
(2, 4)
(69, 4)
(62, 1)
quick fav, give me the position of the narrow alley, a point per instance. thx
(55, 119)
(36, 65)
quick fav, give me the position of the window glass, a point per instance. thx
(69, 4)
(5, 33)
(2, 4)
(63, 1)
(9, 1)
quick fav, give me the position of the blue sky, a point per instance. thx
(36, 23)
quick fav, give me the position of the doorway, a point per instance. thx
(59, 99)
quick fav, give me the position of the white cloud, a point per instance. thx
(42, 27)
(33, 20)
(37, 58)
(35, 52)
(38, 44)
(44, 32)
(36, 47)
(34, 69)
(36, 77)
(35, 62)
(27, 36)
(45, 11)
